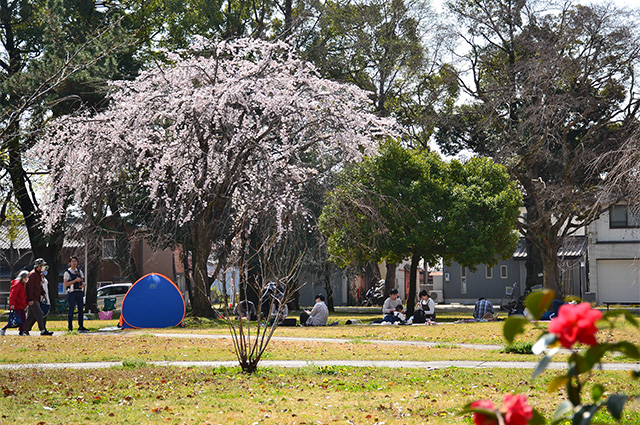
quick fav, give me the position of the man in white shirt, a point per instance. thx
(74, 285)
(318, 316)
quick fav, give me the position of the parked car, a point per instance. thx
(116, 290)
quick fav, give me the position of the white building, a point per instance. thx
(614, 256)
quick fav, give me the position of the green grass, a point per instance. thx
(135, 392)
(273, 395)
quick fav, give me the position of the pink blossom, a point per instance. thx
(242, 128)
(576, 323)
(480, 418)
(515, 410)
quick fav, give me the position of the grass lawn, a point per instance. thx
(272, 396)
(139, 393)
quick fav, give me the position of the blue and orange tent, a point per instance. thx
(154, 301)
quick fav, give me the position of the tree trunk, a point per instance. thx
(390, 277)
(327, 286)
(534, 265)
(201, 306)
(187, 274)
(92, 279)
(41, 246)
(552, 273)
(411, 297)
(288, 17)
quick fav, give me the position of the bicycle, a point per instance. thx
(510, 300)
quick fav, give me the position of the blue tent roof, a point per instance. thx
(154, 301)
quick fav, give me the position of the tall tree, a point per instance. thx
(212, 141)
(411, 204)
(551, 90)
(389, 48)
(54, 56)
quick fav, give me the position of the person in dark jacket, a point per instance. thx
(18, 300)
(34, 293)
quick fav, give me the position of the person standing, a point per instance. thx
(318, 316)
(18, 300)
(45, 302)
(74, 285)
(34, 294)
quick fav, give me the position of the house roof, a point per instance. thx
(17, 237)
(573, 246)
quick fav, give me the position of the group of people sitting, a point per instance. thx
(318, 316)
(393, 311)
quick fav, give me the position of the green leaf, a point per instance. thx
(513, 326)
(578, 365)
(538, 302)
(615, 404)
(561, 412)
(628, 349)
(537, 418)
(593, 355)
(624, 313)
(542, 366)
(557, 382)
(468, 409)
(596, 392)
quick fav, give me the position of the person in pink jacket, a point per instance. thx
(18, 300)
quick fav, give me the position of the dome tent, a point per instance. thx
(154, 301)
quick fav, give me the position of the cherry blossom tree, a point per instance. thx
(225, 132)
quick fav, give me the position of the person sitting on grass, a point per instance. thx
(426, 309)
(318, 316)
(483, 311)
(245, 310)
(392, 308)
(276, 314)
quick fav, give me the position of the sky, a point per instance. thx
(438, 4)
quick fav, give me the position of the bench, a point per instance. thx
(622, 303)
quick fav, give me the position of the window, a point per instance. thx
(489, 273)
(108, 249)
(620, 217)
(463, 280)
(504, 272)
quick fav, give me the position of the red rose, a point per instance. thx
(481, 419)
(515, 410)
(576, 323)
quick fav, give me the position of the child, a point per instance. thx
(18, 300)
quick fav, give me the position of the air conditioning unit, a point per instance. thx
(437, 296)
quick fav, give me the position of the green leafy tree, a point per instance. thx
(389, 48)
(55, 56)
(551, 93)
(407, 203)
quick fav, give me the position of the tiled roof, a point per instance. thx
(18, 238)
(574, 246)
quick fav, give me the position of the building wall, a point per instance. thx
(478, 285)
(157, 261)
(313, 283)
(617, 252)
